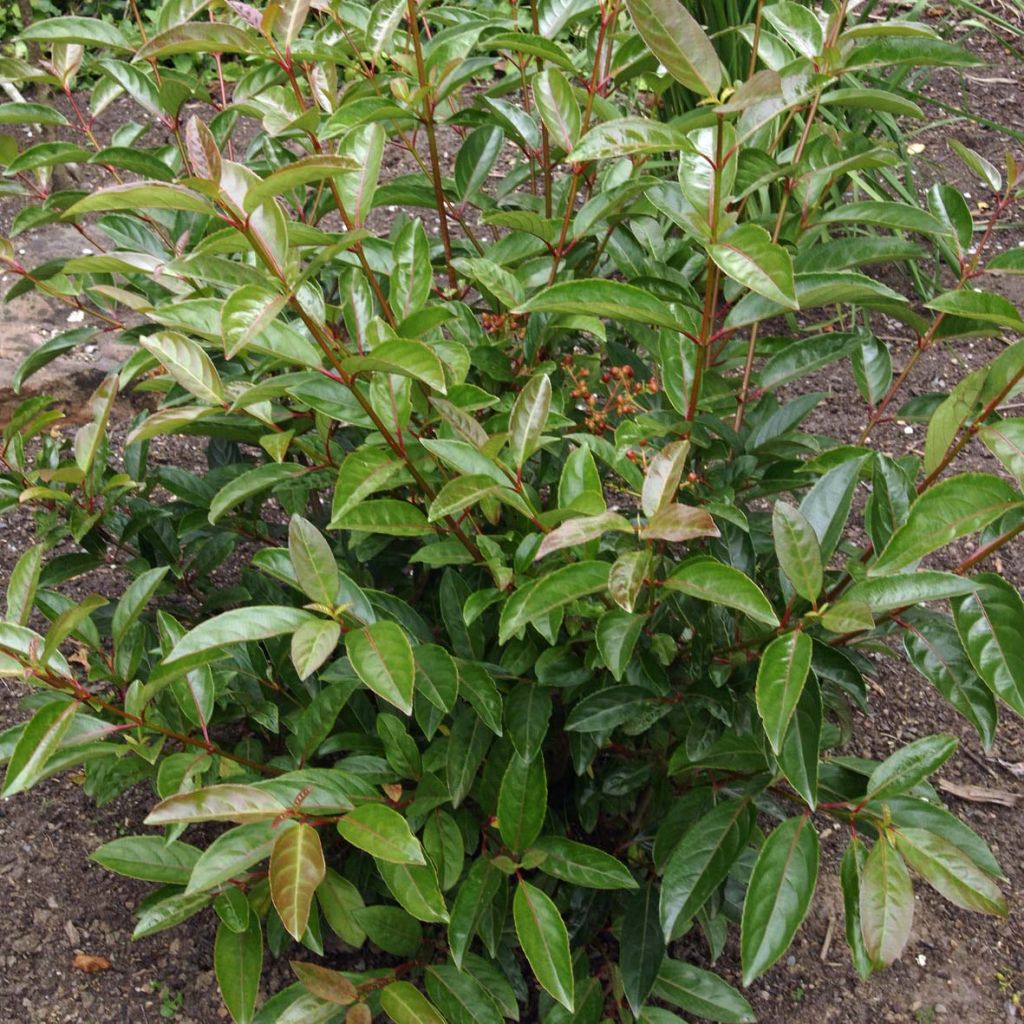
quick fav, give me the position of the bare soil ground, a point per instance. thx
(56, 903)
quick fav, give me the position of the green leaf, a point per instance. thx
(781, 676)
(387, 516)
(303, 171)
(676, 38)
(478, 888)
(187, 363)
(717, 583)
(89, 437)
(1005, 440)
(234, 852)
(30, 113)
(581, 864)
(528, 709)
(364, 145)
(798, 550)
(154, 195)
(401, 1001)
(416, 888)
(411, 276)
(607, 709)
(197, 37)
(528, 418)
(598, 297)
(827, 504)
(895, 216)
(339, 900)
(157, 917)
(134, 600)
(913, 812)
(951, 509)
(539, 597)
(522, 802)
(250, 484)
(949, 871)
(238, 964)
(461, 997)
(616, 635)
(385, 17)
(574, 532)
(990, 623)
(391, 928)
(383, 833)
(382, 658)
(625, 136)
(701, 993)
(21, 587)
(799, 753)
(313, 561)
(934, 648)
(224, 802)
(886, 904)
(38, 741)
(641, 946)
(558, 108)
(83, 31)
(779, 894)
(910, 765)
(701, 861)
(974, 305)
(312, 644)
(748, 255)
(851, 870)
(545, 941)
(149, 858)
(467, 745)
(886, 593)
(207, 641)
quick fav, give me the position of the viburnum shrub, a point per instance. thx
(516, 618)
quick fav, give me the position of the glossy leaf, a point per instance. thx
(910, 765)
(717, 583)
(581, 864)
(951, 509)
(522, 802)
(678, 41)
(781, 676)
(382, 658)
(798, 550)
(313, 561)
(148, 858)
(597, 297)
(949, 871)
(779, 894)
(641, 946)
(544, 941)
(405, 1004)
(542, 596)
(748, 255)
(701, 861)
(383, 833)
(886, 904)
(701, 993)
(528, 417)
(238, 963)
(990, 623)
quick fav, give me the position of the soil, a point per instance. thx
(56, 903)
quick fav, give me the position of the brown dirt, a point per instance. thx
(959, 966)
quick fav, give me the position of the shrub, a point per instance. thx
(517, 615)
